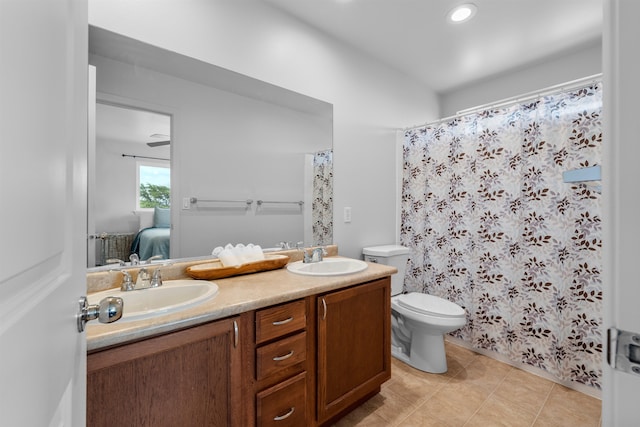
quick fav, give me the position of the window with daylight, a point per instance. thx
(153, 184)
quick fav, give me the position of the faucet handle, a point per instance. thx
(127, 283)
(317, 254)
(134, 258)
(156, 279)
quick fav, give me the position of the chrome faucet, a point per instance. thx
(143, 281)
(135, 259)
(315, 255)
(118, 261)
(284, 245)
(148, 261)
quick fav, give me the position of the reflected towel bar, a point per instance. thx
(195, 200)
(298, 202)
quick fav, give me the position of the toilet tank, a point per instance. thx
(393, 255)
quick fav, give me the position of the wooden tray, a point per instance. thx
(215, 269)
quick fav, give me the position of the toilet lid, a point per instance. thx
(430, 304)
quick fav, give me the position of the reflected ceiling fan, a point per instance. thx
(165, 141)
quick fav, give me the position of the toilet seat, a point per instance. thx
(430, 305)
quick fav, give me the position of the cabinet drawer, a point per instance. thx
(284, 404)
(280, 355)
(274, 322)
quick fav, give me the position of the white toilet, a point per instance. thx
(418, 321)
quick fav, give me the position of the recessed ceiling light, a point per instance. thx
(462, 13)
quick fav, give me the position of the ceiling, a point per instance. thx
(414, 36)
(128, 125)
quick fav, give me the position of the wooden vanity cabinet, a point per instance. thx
(185, 378)
(303, 363)
(354, 348)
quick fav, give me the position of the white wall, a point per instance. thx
(370, 100)
(115, 191)
(577, 64)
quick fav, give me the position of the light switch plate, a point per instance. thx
(347, 214)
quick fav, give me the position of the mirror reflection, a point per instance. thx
(249, 162)
(131, 191)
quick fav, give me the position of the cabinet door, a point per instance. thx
(185, 378)
(354, 346)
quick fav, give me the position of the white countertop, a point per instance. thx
(236, 295)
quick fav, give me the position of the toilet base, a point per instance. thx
(399, 354)
(427, 353)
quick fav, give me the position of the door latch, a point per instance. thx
(623, 351)
(107, 311)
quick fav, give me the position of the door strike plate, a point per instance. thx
(623, 351)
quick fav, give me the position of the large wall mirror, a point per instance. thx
(247, 162)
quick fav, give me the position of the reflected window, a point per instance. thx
(153, 184)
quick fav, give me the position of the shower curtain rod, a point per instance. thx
(515, 99)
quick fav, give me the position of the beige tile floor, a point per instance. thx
(476, 391)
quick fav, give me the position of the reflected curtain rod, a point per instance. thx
(574, 84)
(143, 157)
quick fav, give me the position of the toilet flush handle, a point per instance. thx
(372, 259)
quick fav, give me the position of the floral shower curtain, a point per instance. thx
(492, 227)
(322, 208)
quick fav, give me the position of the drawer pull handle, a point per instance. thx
(282, 322)
(235, 334)
(285, 416)
(286, 356)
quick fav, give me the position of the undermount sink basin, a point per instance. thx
(328, 267)
(172, 296)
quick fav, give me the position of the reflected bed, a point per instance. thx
(154, 240)
(151, 241)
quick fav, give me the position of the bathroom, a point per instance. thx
(195, 178)
(359, 126)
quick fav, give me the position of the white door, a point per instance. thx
(621, 193)
(43, 133)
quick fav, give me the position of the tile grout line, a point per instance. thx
(398, 422)
(438, 388)
(546, 399)
(487, 398)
